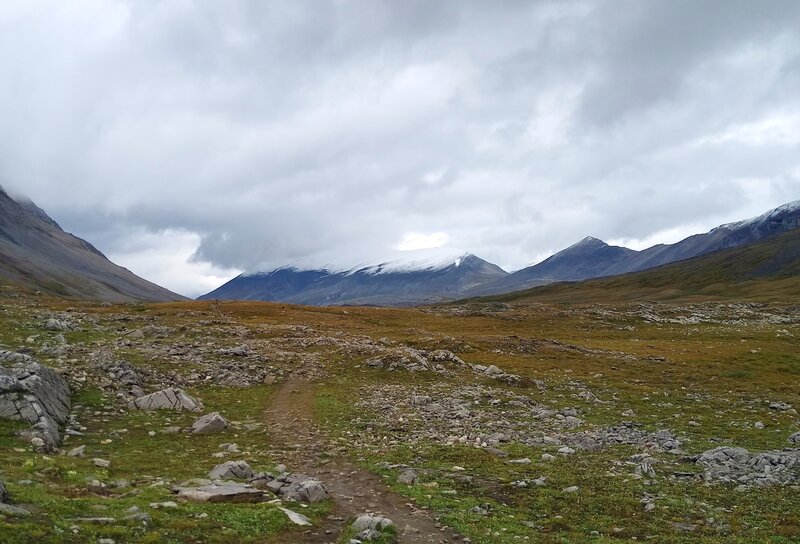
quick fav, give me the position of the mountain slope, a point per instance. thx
(768, 270)
(35, 252)
(593, 258)
(386, 284)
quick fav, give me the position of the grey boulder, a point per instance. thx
(210, 423)
(232, 470)
(171, 398)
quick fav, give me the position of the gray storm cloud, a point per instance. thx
(191, 140)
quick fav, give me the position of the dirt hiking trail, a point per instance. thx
(354, 490)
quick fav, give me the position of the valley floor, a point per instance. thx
(484, 422)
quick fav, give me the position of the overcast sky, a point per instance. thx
(191, 140)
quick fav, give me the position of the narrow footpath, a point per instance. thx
(354, 491)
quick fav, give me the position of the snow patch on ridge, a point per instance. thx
(763, 218)
(400, 262)
(416, 261)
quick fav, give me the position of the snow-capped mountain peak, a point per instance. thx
(788, 209)
(416, 261)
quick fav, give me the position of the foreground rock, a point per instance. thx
(223, 492)
(370, 527)
(210, 423)
(294, 517)
(36, 394)
(232, 470)
(293, 487)
(737, 465)
(7, 509)
(171, 398)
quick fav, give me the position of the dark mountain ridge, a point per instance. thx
(35, 252)
(379, 285)
(593, 258)
(766, 271)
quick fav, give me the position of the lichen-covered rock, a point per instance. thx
(36, 394)
(171, 398)
(210, 423)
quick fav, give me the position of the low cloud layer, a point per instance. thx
(192, 140)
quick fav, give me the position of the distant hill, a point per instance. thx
(593, 258)
(392, 283)
(36, 253)
(768, 270)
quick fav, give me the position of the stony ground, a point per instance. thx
(471, 423)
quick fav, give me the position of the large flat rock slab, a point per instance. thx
(224, 492)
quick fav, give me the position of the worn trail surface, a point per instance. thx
(354, 490)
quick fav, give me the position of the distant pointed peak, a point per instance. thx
(589, 241)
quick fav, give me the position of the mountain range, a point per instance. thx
(391, 283)
(35, 252)
(465, 275)
(765, 271)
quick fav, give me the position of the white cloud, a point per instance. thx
(165, 258)
(321, 132)
(413, 241)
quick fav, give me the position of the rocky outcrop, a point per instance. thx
(122, 377)
(737, 465)
(171, 398)
(36, 394)
(60, 325)
(625, 433)
(293, 487)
